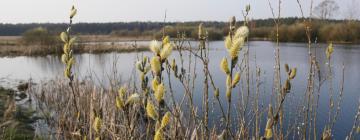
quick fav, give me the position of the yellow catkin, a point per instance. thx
(154, 84)
(66, 48)
(234, 51)
(225, 66)
(228, 81)
(238, 43)
(97, 124)
(166, 119)
(73, 12)
(228, 94)
(236, 79)
(159, 135)
(64, 58)
(242, 31)
(122, 92)
(160, 91)
(64, 37)
(166, 51)
(228, 42)
(72, 41)
(268, 128)
(155, 65)
(71, 61)
(150, 110)
(216, 93)
(166, 40)
(268, 133)
(133, 99)
(155, 47)
(119, 103)
(329, 50)
(292, 73)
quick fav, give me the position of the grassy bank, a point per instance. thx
(35, 50)
(13, 46)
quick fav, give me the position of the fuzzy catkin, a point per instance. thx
(225, 66)
(160, 91)
(166, 119)
(166, 51)
(236, 79)
(97, 124)
(154, 84)
(133, 99)
(159, 135)
(150, 111)
(155, 65)
(155, 47)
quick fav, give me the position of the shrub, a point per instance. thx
(38, 36)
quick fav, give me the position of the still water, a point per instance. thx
(101, 66)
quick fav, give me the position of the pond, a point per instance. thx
(101, 66)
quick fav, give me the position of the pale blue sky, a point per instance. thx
(55, 11)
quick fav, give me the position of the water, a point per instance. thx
(295, 54)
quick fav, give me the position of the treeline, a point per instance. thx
(291, 29)
(321, 31)
(122, 27)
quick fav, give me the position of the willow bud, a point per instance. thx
(155, 47)
(216, 93)
(292, 73)
(64, 37)
(225, 66)
(150, 111)
(166, 51)
(73, 12)
(155, 65)
(166, 40)
(165, 120)
(236, 79)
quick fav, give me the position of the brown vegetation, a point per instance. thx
(14, 46)
(347, 32)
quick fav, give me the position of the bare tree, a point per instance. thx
(352, 11)
(326, 9)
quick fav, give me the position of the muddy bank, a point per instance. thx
(16, 115)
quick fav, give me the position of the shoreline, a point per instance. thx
(10, 46)
(38, 50)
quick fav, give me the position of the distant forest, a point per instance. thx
(291, 29)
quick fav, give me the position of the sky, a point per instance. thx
(56, 11)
